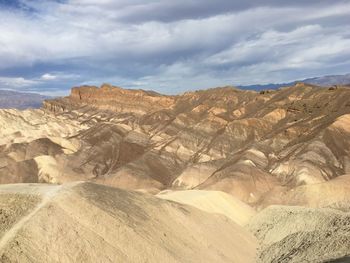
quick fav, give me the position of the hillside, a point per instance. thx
(45, 223)
(299, 234)
(245, 143)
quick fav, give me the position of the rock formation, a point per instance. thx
(245, 143)
(224, 154)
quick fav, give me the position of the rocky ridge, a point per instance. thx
(242, 142)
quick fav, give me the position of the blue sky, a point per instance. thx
(169, 46)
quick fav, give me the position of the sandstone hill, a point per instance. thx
(213, 202)
(249, 144)
(50, 223)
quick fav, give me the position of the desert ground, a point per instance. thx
(219, 175)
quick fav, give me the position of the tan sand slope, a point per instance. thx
(334, 193)
(86, 222)
(299, 234)
(213, 202)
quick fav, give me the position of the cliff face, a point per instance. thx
(253, 145)
(108, 97)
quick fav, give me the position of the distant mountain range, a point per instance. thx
(320, 81)
(19, 100)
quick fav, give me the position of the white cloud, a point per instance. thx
(250, 43)
(48, 76)
(57, 35)
(305, 47)
(16, 82)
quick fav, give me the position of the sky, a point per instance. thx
(169, 46)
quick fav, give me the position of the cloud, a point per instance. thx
(16, 82)
(138, 11)
(172, 45)
(48, 76)
(39, 84)
(58, 76)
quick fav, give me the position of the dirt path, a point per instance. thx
(11, 233)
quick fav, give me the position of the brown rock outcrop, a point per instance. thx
(114, 98)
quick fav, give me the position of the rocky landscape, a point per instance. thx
(236, 176)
